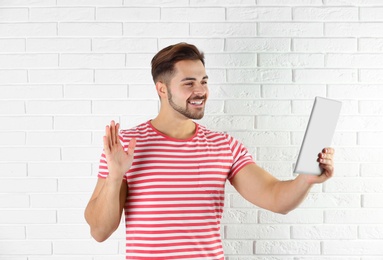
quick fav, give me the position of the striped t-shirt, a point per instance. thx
(175, 195)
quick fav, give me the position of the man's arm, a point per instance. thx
(262, 189)
(104, 210)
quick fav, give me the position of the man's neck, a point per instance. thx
(175, 128)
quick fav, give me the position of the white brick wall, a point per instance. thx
(67, 67)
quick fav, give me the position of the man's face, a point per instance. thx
(188, 91)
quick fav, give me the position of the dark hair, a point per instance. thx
(163, 62)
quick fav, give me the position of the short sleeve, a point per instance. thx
(241, 156)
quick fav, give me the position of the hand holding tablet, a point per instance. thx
(319, 133)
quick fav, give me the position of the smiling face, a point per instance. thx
(187, 90)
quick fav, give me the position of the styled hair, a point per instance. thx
(163, 62)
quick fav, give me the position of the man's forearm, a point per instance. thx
(103, 213)
(290, 194)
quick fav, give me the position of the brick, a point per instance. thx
(28, 3)
(354, 2)
(12, 200)
(371, 169)
(372, 200)
(123, 76)
(354, 60)
(262, 138)
(292, 91)
(329, 76)
(227, 123)
(26, 247)
(30, 91)
(286, 247)
(76, 123)
(58, 138)
(21, 123)
(370, 138)
(237, 246)
(324, 232)
(241, 91)
(258, 14)
(191, 14)
(290, 2)
(77, 184)
(90, 91)
(61, 45)
(258, 44)
(325, 14)
(127, 14)
(370, 231)
(354, 216)
(370, 44)
(62, 14)
(222, 29)
(70, 216)
(13, 14)
(17, 185)
(298, 216)
(205, 44)
(352, 154)
(277, 154)
(13, 76)
(239, 216)
(87, 154)
(353, 247)
(92, 60)
(12, 233)
(141, 91)
(371, 14)
(282, 122)
(90, 29)
(355, 91)
(117, 107)
(155, 29)
(257, 107)
(28, 216)
(12, 45)
(28, 29)
(139, 60)
(55, 232)
(54, 200)
(221, 2)
(259, 75)
(85, 247)
(89, 2)
(331, 200)
(288, 29)
(230, 60)
(371, 75)
(28, 60)
(338, 45)
(61, 76)
(12, 108)
(13, 169)
(291, 60)
(121, 44)
(161, 3)
(19, 154)
(58, 107)
(257, 232)
(353, 29)
(60, 169)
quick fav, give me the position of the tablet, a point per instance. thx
(319, 133)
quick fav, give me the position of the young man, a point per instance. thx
(168, 174)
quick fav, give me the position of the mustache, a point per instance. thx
(197, 97)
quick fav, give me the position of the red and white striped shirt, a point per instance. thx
(176, 192)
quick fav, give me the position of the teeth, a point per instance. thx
(196, 102)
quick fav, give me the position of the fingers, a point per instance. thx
(131, 146)
(111, 135)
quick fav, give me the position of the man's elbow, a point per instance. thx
(99, 236)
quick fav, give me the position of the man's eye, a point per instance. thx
(204, 82)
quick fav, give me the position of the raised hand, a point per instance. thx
(119, 161)
(326, 162)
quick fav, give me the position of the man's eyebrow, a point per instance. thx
(190, 78)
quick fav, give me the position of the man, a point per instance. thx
(168, 174)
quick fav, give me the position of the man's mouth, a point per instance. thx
(196, 102)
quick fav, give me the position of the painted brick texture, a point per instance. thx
(68, 67)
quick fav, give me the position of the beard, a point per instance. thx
(185, 111)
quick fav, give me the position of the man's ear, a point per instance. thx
(161, 89)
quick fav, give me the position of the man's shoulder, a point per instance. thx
(136, 130)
